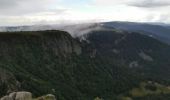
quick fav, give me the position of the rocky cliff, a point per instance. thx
(31, 57)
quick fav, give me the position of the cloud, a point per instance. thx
(15, 7)
(136, 3)
(26, 12)
(109, 2)
(150, 3)
(4, 4)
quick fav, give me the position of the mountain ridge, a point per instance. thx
(159, 31)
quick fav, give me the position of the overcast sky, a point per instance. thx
(28, 12)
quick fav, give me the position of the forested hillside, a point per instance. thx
(107, 65)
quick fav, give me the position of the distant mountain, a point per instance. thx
(30, 28)
(74, 29)
(158, 31)
(102, 64)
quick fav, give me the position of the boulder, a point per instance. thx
(47, 97)
(6, 98)
(26, 96)
(50, 97)
(13, 95)
(23, 96)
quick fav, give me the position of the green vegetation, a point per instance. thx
(147, 89)
(53, 62)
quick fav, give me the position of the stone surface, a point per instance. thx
(23, 96)
(47, 97)
(13, 95)
(145, 56)
(6, 98)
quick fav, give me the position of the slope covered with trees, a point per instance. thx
(101, 64)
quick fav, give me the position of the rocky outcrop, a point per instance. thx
(6, 98)
(12, 95)
(23, 96)
(18, 96)
(26, 96)
(47, 97)
(146, 57)
(60, 43)
(57, 42)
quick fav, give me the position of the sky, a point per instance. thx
(38, 12)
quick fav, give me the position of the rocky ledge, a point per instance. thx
(26, 96)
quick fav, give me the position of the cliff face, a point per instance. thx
(31, 57)
(61, 43)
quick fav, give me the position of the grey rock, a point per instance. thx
(23, 96)
(47, 97)
(134, 64)
(145, 56)
(6, 98)
(13, 95)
